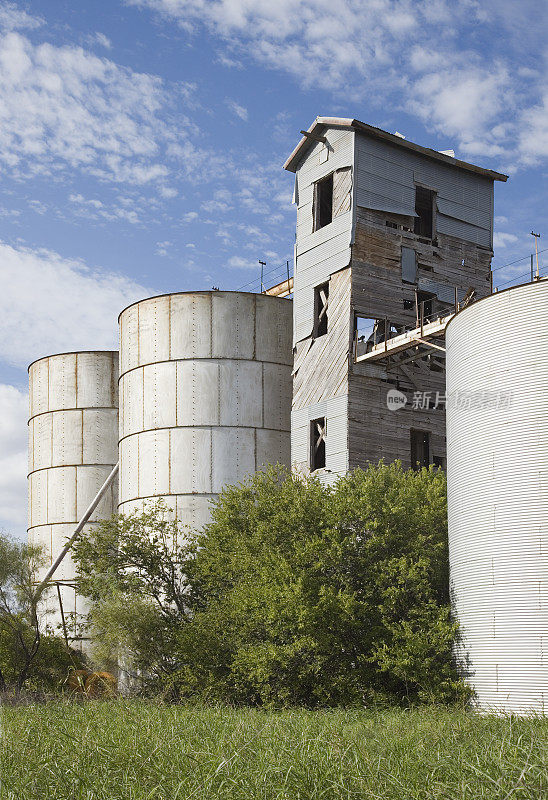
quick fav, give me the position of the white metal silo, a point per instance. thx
(73, 446)
(497, 471)
(205, 396)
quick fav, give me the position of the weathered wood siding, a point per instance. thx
(318, 254)
(360, 254)
(320, 384)
(378, 291)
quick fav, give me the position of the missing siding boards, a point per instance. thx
(323, 202)
(318, 436)
(424, 209)
(321, 305)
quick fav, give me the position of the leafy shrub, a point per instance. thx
(295, 593)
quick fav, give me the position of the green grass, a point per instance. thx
(142, 751)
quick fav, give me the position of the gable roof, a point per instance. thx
(320, 123)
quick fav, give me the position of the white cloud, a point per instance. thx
(63, 108)
(13, 18)
(501, 239)
(237, 262)
(103, 41)
(215, 206)
(533, 137)
(469, 69)
(237, 109)
(13, 459)
(463, 102)
(162, 248)
(190, 216)
(51, 304)
(92, 208)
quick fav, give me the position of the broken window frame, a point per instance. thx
(425, 209)
(323, 202)
(318, 439)
(321, 309)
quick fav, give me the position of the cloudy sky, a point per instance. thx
(141, 144)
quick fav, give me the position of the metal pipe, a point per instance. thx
(91, 508)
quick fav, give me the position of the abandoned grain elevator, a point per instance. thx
(390, 235)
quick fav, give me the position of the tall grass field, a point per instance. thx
(126, 750)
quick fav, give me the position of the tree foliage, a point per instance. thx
(295, 593)
(28, 658)
(133, 568)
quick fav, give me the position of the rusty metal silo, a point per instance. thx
(73, 446)
(205, 396)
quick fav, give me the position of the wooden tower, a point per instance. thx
(390, 235)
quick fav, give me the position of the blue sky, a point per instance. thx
(142, 143)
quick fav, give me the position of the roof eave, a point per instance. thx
(319, 122)
(340, 122)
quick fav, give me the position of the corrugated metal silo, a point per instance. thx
(497, 470)
(205, 395)
(73, 446)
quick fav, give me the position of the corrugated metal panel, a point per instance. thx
(336, 411)
(463, 230)
(443, 291)
(479, 217)
(497, 469)
(408, 265)
(322, 237)
(322, 252)
(385, 181)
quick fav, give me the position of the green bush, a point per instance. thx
(295, 593)
(312, 596)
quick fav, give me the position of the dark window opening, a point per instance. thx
(390, 224)
(420, 449)
(424, 209)
(408, 305)
(323, 202)
(321, 304)
(425, 303)
(438, 461)
(318, 436)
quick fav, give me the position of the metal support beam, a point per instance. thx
(430, 344)
(89, 511)
(421, 335)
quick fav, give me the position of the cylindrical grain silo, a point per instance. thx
(497, 472)
(73, 446)
(205, 395)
